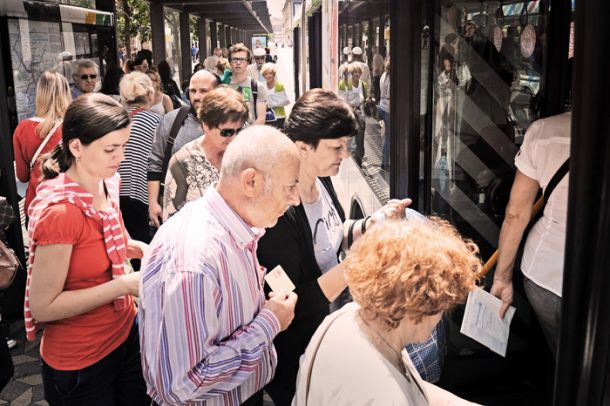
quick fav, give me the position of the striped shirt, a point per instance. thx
(134, 166)
(205, 337)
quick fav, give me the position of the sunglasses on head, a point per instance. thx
(87, 77)
(229, 132)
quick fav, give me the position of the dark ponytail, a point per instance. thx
(88, 118)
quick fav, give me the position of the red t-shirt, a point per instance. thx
(83, 340)
(25, 144)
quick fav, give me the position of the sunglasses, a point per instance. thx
(229, 132)
(87, 77)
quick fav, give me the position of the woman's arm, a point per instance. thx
(48, 299)
(136, 249)
(167, 103)
(516, 219)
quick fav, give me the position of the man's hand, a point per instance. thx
(282, 305)
(503, 290)
(155, 213)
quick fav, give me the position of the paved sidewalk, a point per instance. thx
(26, 386)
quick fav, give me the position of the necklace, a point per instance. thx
(378, 338)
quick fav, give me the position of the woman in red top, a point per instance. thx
(52, 100)
(76, 282)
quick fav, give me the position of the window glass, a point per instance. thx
(487, 69)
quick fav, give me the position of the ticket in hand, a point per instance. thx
(278, 281)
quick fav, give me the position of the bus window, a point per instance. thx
(487, 73)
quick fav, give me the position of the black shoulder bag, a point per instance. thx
(169, 145)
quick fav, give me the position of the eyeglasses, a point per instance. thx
(259, 57)
(236, 59)
(87, 77)
(229, 132)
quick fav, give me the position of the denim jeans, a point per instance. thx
(114, 380)
(385, 116)
(547, 307)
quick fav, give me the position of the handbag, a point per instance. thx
(9, 264)
(7, 215)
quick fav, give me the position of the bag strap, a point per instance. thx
(333, 317)
(178, 121)
(538, 208)
(254, 87)
(44, 143)
(557, 177)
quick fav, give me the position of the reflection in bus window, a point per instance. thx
(486, 86)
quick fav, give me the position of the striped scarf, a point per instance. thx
(62, 189)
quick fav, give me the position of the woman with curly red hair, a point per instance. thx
(403, 275)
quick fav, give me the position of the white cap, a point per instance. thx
(346, 51)
(64, 56)
(357, 51)
(259, 52)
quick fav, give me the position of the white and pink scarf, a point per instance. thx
(62, 189)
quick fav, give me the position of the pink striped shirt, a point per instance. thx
(205, 337)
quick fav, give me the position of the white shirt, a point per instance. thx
(326, 229)
(349, 371)
(545, 148)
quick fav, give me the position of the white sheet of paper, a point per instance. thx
(482, 321)
(278, 280)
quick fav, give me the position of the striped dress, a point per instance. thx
(205, 337)
(134, 166)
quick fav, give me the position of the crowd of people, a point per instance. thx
(189, 206)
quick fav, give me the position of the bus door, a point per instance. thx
(484, 80)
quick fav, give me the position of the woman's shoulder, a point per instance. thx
(26, 128)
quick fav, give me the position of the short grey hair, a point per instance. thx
(84, 63)
(260, 147)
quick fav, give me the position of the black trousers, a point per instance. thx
(6, 363)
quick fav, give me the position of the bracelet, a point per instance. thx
(363, 225)
(350, 234)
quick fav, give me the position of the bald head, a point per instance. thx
(261, 147)
(259, 175)
(202, 82)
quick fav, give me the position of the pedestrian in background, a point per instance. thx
(34, 137)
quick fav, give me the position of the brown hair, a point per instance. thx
(414, 268)
(320, 114)
(88, 118)
(239, 48)
(222, 105)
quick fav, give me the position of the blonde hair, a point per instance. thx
(52, 100)
(414, 268)
(268, 67)
(354, 67)
(136, 88)
(222, 65)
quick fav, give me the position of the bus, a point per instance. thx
(467, 80)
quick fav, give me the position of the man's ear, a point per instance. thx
(252, 182)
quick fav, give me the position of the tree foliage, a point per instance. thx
(133, 18)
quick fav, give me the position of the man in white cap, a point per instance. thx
(346, 57)
(366, 73)
(254, 69)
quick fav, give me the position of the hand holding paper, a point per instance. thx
(482, 321)
(278, 281)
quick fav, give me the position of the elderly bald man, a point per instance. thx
(177, 128)
(206, 328)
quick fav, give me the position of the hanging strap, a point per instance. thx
(173, 133)
(561, 172)
(44, 143)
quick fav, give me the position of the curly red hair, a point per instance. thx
(419, 268)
